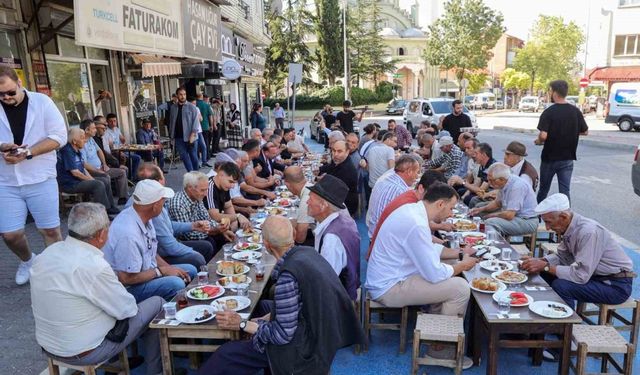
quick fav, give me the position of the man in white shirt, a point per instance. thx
(405, 268)
(31, 129)
(297, 184)
(278, 115)
(295, 144)
(78, 302)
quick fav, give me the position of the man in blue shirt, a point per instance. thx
(132, 247)
(96, 164)
(147, 136)
(73, 178)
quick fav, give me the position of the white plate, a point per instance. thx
(233, 285)
(246, 255)
(507, 293)
(510, 282)
(542, 308)
(487, 265)
(241, 233)
(245, 270)
(492, 249)
(474, 234)
(501, 287)
(190, 295)
(189, 314)
(253, 246)
(278, 202)
(243, 303)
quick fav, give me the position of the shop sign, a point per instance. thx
(144, 98)
(202, 30)
(231, 69)
(226, 42)
(152, 26)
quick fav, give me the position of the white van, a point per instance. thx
(485, 100)
(623, 108)
(529, 103)
(431, 109)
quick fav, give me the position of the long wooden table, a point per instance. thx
(539, 329)
(210, 329)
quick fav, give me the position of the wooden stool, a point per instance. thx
(431, 328)
(548, 248)
(54, 366)
(373, 307)
(601, 341)
(67, 200)
(356, 306)
(607, 313)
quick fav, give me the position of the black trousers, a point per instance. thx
(215, 140)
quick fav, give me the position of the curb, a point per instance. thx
(587, 141)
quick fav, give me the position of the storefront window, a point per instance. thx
(69, 48)
(96, 53)
(70, 90)
(8, 46)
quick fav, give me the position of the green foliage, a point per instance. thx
(462, 38)
(335, 97)
(328, 28)
(384, 91)
(513, 79)
(477, 81)
(552, 51)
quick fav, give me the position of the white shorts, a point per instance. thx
(40, 199)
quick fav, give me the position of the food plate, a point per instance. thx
(496, 265)
(251, 232)
(241, 303)
(247, 246)
(482, 283)
(228, 268)
(551, 309)
(196, 314)
(492, 249)
(510, 277)
(473, 234)
(274, 210)
(246, 255)
(282, 202)
(205, 292)
(473, 238)
(518, 299)
(232, 282)
(464, 225)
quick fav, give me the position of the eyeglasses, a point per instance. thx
(8, 93)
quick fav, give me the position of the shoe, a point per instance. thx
(207, 165)
(113, 211)
(442, 357)
(22, 275)
(165, 171)
(550, 355)
(122, 201)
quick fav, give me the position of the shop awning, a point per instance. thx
(617, 73)
(153, 66)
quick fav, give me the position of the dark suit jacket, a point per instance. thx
(267, 165)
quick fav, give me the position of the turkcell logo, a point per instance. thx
(105, 15)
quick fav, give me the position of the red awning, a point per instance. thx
(617, 73)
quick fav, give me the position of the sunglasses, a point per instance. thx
(8, 93)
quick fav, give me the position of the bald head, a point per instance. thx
(294, 174)
(277, 233)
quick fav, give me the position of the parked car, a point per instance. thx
(468, 100)
(485, 100)
(635, 172)
(499, 104)
(396, 107)
(530, 103)
(623, 107)
(431, 109)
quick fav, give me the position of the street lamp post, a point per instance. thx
(345, 83)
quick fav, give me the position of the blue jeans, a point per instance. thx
(563, 169)
(202, 150)
(188, 153)
(165, 287)
(611, 291)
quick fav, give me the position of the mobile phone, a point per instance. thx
(481, 252)
(17, 150)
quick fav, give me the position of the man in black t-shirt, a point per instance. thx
(218, 200)
(346, 117)
(456, 120)
(560, 127)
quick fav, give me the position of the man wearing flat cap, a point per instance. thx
(514, 157)
(590, 265)
(336, 234)
(449, 161)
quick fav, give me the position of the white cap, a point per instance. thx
(150, 191)
(554, 203)
(445, 141)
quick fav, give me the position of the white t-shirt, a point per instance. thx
(296, 144)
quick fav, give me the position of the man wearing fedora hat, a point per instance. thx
(514, 158)
(336, 234)
(449, 162)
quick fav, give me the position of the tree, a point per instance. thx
(287, 31)
(464, 36)
(552, 51)
(328, 28)
(515, 80)
(477, 81)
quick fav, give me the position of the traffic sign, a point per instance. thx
(584, 82)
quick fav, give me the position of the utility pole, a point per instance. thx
(345, 83)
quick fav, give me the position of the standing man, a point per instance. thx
(206, 123)
(560, 125)
(31, 129)
(403, 135)
(346, 116)
(456, 120)
(183, 129)
(278, 114)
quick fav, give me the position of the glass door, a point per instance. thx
(70, 90)
(102, 90)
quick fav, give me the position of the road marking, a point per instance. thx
(590, 180)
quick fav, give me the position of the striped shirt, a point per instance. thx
(287, 307)
(404, 137)
(183, 209)
(387, 188)
(449, 161)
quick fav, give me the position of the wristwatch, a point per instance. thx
(29, 156)
(158, 273)
(460, 255)
(546, 268)
(243, 324)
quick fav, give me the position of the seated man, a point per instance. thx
(514, 157)
(390, 186)
(310, 318)
(132, 248)
(242, 204)
(256, 134)
(253, 150)
(147, 136)
(513, 212)
(449, 162)
(295, 144)
(477, 186)
(73, 178)
(297, 184)
(218, 199)
(590, 265)
(96, 164)
(336, 235)
(341, 168)
(266, 160)
(196, 252)
(78, 302)
(187, 206)
(115, 139)
(405, 269)
(102, 141)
